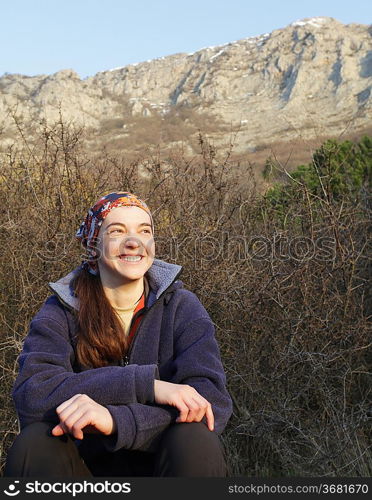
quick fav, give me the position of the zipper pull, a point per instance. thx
(124, 361)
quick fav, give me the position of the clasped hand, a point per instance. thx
(81, 413)
(193, 407)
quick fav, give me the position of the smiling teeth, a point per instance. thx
(132, 258)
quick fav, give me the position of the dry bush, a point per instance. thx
(292, 327)
(301, 349)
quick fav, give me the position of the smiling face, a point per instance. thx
(126, 247)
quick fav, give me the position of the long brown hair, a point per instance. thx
(101, 339)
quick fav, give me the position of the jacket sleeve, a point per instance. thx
(46, 377)
(139, 426)
(197, 363)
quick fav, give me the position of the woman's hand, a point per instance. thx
(81, 412)
(191, 404)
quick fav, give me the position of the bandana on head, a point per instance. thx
(89, 228)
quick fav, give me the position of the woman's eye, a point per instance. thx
(120, 231)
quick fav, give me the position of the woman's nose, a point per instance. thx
(132, 242)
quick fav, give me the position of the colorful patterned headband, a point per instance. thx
(89, 228)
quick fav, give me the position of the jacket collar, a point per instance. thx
(160, 276)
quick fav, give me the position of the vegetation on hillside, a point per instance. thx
(284, 276)
(338, 169)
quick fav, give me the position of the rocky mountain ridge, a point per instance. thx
(310, 79)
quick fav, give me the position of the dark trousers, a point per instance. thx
(186, 449)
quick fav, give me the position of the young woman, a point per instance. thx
(120, 372)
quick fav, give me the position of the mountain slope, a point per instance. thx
(309, 80)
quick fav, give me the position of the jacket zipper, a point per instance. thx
(126, 360)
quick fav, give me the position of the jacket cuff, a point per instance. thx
(145, 380)
(126, 429)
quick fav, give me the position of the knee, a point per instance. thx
(35, 436)
(32, 436)
(35, 451)
(193, 435)
(36, 442)
(191, 449)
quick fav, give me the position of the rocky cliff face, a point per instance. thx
(312, 78)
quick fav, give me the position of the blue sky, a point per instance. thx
(45, 36)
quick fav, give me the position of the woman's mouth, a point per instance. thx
(133, 259)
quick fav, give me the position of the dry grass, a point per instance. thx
(292, 327)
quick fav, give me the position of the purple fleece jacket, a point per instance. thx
(175, 342)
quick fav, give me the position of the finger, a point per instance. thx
(61, 412)
(203, 409)
(85, 420)
(201, 406)
(71, 422)
(78, 406)
(194, 410)
(69, 410)
(210, 417)
(72, 412)
(184, 411)
(58, 430)
(66, 403)
(207, 411)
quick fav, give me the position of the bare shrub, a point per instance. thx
(286, 286)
